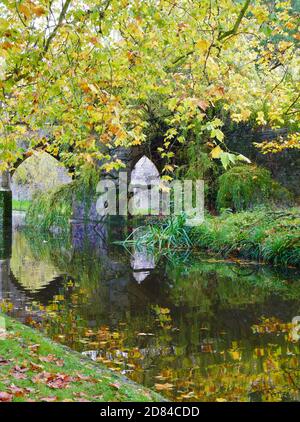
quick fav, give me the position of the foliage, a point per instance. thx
(54, 208)
(34, 368)
(167, 234)
(247, 186)
(291, 142)
(80, 79)
(263, 235)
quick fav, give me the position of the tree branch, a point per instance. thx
(235, 28)
(59, 23)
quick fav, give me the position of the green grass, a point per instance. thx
(20, 205)
(265, 235)
(271, 236)
(165, 234)
(23, 352)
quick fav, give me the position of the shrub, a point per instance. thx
(246, 186)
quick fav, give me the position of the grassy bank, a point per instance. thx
(262, 235)
(33, 368)
(271, 236)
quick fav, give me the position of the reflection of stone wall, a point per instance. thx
(38, 173)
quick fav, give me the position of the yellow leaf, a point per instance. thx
(25, 10)
(39, 11)
(202, 45)
(216, 152)
(168, 168)
(235, 355)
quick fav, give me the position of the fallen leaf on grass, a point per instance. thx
(4, 361)
(22, 368)
(34, 347)
(52, 359)
(5, 397)
(49, 399)
(57, 383)
(18, 375)
(36, 367)
(80, 377)
(52, 380)
(18, 372)
(16, 391)
(115, 385)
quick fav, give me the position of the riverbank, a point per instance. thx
(270, 236)
(264, 235)
(34, 368)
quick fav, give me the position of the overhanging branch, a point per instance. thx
(235, 28)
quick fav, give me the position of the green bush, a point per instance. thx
(246, 186)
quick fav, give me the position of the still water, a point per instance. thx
(193, 327)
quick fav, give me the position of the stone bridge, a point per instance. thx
(139, 167)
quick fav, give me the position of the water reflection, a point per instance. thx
(194, 328)
(142, 263)
(31, 274)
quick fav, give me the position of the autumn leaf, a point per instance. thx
(49, 399)
(4, 361)
(24, 8)
(203, 104)
(202, 45)
(5, 397)
(115, 385)
(35, 367)
(38, 10)
(216, 152)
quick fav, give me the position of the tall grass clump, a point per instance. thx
(247, 186)
(170, 233)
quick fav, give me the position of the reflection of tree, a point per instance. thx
(203, 285)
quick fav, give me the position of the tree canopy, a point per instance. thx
(79, 78)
